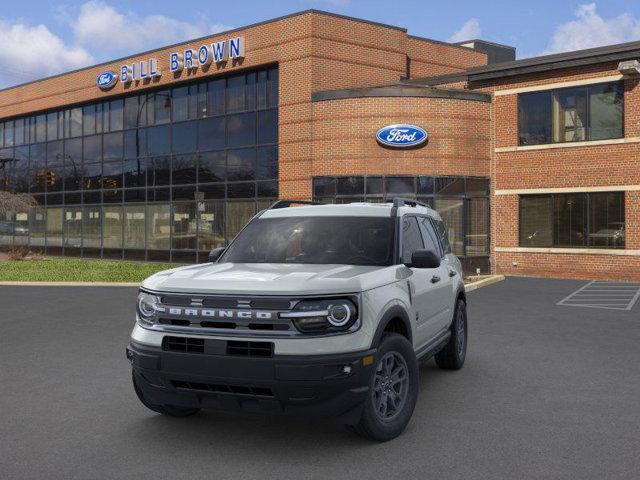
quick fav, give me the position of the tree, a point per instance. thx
(16, 202)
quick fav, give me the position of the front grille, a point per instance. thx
(252, 391)
(183, 344)
(250, 349)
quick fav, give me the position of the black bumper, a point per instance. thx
(323, 385)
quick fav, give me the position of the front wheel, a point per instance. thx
(393, 390)
(169, 410)
(452, 356)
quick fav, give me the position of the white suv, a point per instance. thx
(314, 309)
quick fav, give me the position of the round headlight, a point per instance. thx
(147, 305)
(339, 315)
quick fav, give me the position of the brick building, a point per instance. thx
(166, 154)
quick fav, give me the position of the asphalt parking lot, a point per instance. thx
(548, 391)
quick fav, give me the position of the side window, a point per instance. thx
(411, 238)
(429, 236)
(441, 231)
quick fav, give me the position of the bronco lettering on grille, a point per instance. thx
(220, 313)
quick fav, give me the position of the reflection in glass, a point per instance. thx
(92, 227)
(134, 226)
(112, 237)
(184, 226)
(158, 227)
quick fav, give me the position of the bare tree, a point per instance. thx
(16, 202)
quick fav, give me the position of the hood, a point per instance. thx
(271, 279)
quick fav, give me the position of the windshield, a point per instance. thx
(320, 240)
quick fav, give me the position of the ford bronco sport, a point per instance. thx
(313, 309)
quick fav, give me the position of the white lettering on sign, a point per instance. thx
(401, 135)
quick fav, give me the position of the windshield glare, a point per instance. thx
(318, 240)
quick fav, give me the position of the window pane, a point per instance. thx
(215, 95)
(235, 93)
(449, 186)
(241, 190)
(162, 107)
(37, 226)
(184, 137)
(160, 171)
(73, 227)
(350, 186)
(261, 88)
(268, 126)
(55, 167)
(134, 227)
(116, 115)
(131, 112)
(112, 145)
(606, 104)
(159, 140)
(102, 117)
(184, 169)
(52, 126)
(75, 122)
(112, 237)
(452, 213)
(211, 226)
(425, 185)
(570, 115)
(477, 186)
(238, 214)
(92, 176)
(272, 88)
(41, 129)
(54, 227)
(135, 143)
(400, 185)
(111, 175)
(158, 227)
(21, 169)
(8, 134)
(180, 103)
(184, 226)
(478, 227)
(411, 238)
(241, 129)
(89, 120)
(536, 216)
(135, 173)
(607, 220)
(92, 227)
(267, 163)
(211, 133)
(570, 220)
(92, 149)
(211, 167)
(429, 236)
(534, 118)
(241, 164)
(250, 91)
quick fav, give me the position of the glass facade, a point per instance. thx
(594, 112)
(161, 175)
(573, 220)
(463, 202)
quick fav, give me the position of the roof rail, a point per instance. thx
(407, 202)
(288, 203)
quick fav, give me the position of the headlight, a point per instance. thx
(148, 306)
(324, 316)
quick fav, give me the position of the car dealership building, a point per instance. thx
(533, 164)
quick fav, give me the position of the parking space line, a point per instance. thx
(612, 296)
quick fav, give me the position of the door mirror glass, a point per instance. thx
(215, 254)
(424, 259)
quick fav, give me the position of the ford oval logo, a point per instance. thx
(401, 136)
(106, 80)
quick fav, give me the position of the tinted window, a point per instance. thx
(316, 240)
(211, 133)
(429, 236)
(441, 231)
(411, 238)
(184, 137)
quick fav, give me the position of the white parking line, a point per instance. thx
(612, 296)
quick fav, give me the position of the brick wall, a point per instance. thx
(581, 167)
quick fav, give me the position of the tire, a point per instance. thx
(383, 423)
(169, 410)
(452, 356)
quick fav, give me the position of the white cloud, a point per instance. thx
(469, 31)
(104, 29)
(28, 52)
(591, 30)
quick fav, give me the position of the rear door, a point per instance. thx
(448, 268)
(423, 283)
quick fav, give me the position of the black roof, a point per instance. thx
(590, 56)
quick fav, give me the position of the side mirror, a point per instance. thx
(424, 259)
(215, 254)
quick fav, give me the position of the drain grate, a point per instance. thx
(608, 295)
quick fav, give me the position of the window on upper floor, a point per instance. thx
(577, 114)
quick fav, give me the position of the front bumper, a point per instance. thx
(333, 385)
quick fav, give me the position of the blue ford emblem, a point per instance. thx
(401, 136)
(106, 80)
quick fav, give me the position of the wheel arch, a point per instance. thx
(397, 318)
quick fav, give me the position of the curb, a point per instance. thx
(484, 282)
(70, 284)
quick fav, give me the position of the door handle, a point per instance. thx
(435, 279)
(452, 273)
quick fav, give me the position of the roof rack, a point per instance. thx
(407, 202)
(288, 203)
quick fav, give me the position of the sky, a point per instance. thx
(39, 38)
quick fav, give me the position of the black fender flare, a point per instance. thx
(395, 311)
